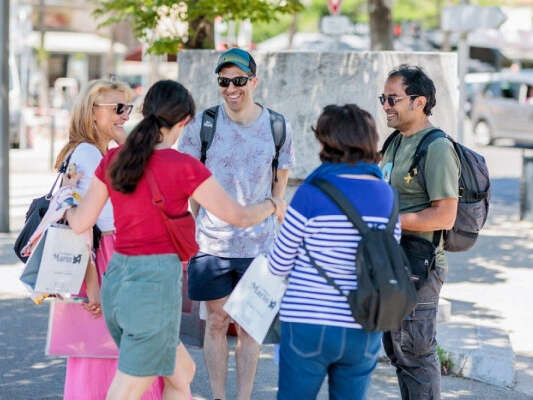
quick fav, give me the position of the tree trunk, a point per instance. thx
(380, 15)
(203, 34)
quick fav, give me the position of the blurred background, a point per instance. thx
(55, 46)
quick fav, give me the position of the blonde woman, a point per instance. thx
(97, 118)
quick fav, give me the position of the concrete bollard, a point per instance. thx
(526, 188)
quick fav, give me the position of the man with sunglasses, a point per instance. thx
(240, 156)
(425, 209)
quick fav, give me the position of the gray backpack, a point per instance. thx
(474, 190)
(277, 126)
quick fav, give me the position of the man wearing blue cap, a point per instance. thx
(248, 148)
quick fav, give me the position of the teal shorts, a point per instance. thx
(141, 301)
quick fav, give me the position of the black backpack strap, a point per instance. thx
(344, 204)
(321, 271)
(349, 210)
(62, 169)
(394, 214)
(388, 141)
(279, 133)
(422, 148)
(207, 130)
(420, 152)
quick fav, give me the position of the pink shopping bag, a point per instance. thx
(73, 332)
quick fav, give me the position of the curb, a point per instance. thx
(482, 353)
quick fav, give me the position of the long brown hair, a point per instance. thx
(82, 128)
(166, 103)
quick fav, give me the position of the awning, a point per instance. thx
(74, 42)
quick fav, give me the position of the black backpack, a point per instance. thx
(385, 294)
(474, 189)
(277, 125)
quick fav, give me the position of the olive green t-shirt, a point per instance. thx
(441, 174)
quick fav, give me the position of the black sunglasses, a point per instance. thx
(120, 108)
(238, 81)
(392, 100)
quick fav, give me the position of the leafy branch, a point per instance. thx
(188, 23)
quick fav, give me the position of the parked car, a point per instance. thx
(504, 109)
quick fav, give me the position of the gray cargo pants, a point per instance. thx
(412, 349)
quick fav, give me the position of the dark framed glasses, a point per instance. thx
(392, 100)
(238, 81)
(119, 108)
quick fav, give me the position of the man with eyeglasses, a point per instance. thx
(240, 155)
(426, 208)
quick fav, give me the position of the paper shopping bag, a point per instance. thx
(63, 262)
(73, 332)
(256, 299)
(31, 268)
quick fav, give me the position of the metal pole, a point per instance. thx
(463, 53)
(4, 116)
(52, 139)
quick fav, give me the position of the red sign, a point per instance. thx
(334, 7)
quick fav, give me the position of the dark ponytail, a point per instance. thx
(166, 103)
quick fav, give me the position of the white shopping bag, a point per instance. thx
(256, 299)
(64, 261)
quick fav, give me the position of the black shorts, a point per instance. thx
(212, 278)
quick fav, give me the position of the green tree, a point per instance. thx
(147, 17)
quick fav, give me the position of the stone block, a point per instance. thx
(300, 84)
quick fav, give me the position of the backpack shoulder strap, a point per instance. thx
(388, 141)
(344, 204)
(394, 214)
(420, 152)
(207, 131)
(279, 133)
(422, 148)
(320, 270)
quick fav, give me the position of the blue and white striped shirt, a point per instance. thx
(332, 241)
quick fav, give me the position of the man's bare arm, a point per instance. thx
(278, 190)
(441, 215)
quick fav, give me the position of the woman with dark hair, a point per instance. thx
(319, 335)
(97, 118)
(141, 288)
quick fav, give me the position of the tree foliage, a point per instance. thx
(145, 17)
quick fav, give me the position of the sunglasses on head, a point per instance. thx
(119, 108)
(392, 99)
(238, 81)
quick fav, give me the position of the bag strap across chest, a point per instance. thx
(278, 128)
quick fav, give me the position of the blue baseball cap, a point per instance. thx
(239, 57)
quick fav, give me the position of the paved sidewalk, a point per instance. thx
(489, 286)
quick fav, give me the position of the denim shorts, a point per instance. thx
(211, 277)
(141, 300)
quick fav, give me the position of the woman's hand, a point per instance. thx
(94, 305)
(281, 207)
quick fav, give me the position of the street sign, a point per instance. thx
(467, 18)
(334, 6)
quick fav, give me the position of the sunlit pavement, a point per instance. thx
(491, 280)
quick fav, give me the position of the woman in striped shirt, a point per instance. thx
(319, 335)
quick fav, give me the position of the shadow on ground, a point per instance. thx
(25, 372)
(7, 255)
(502, 243)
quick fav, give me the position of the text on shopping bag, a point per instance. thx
(256, 299)
(64, 261)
